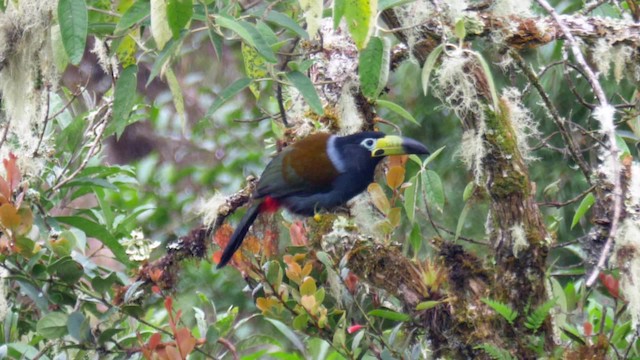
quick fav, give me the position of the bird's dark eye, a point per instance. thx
(368, 143)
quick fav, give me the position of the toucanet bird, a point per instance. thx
(319, 172)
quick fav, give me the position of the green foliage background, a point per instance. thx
(199, 98)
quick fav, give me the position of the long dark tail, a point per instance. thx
(239, 234)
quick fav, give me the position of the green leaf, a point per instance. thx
(274, 274)
(428, 66)
(134, 14)
(426, 305)
(432, 186)
(338, 12)
(53, 325)
(397, 109)
(78, 327)
(108, 334)
(60, 58)
(67, 270)
(415, 238)
(267, 34)
(74, 24)
(461, 220)
(213, 334)
(584, 206)
(537, 317)
(312, 14)
(373, 67)
(179, 14)
(501, 308)
(160, 29)
(105, 207)
(308, 91)
(620, 333)
(225, 322)
(468, 191)
(320, 295)
(249, 34)
(162, 58)
(622, 146)
(360, 15)
(90, 183)
(308, 287)
(103, 284)
(410, 197)
(490, 82)
(389, 315)
(340, 333)
(78, 238)
(254, 67)
(226, 94)
(432, 156)
(178, 100)
(34, 293)
(286, 22)
(300, 322)
(201, 321)
(124, 98)
(325, 259)
(573, 334)
(460, 31)
(97, 231)
(216, 41)
(495, 352)
(288, 333)
(355, 344)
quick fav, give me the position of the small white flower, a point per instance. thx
(137, 247)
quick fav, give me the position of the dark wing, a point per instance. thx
(301, 168)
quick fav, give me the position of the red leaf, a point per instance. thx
(223, 235)
(5, 190)
(588, 328)
(270, 243)
(13, 173)
(217, 256)
(611, 284)
(353, 328)
(351, 281)
(186, 342)
(298, 234)
(172, 353)
(168, 304)
(154, 341)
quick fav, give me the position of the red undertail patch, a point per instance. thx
(270, 204)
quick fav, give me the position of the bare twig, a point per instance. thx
(102, 126)
(548, 67)
(232, 349)
(73, 97)
(46, 121)
(609, 130)
(555, 115)
(557, 204)
(574, 91)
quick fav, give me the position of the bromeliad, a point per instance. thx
(319, 172)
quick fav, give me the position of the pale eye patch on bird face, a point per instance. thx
(369, 144)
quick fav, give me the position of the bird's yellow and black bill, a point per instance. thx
(397, 145)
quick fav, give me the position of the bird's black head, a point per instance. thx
(361, 152)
